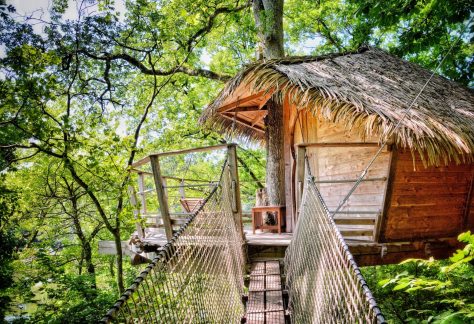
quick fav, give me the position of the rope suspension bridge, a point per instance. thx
(199, 275)
(324, 282)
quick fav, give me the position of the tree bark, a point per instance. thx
(268, 16)
(275, 171)
(118, 247)
(86, 247)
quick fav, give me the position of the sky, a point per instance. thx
(39, 9)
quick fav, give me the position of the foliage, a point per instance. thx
(427, 291)
(9, 242)
(82, 98)
(421, 31)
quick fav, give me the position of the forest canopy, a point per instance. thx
(89, 86)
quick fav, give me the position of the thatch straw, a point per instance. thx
(368, 91)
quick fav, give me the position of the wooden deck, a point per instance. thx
(155, 237)
(265, 302)
(268, 239)
(270, 246)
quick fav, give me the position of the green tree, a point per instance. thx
(90, 95)
(427, 291)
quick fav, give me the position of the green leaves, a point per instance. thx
(420, 31)
(428, 291)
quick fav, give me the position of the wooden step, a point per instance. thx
(354, 220)
(356, 230)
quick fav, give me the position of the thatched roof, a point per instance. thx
(368, 91)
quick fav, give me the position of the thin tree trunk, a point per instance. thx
(118, 247)
(86, 253)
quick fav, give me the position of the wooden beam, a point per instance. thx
(136, 212)
(140, 171)
(257, 119)
(243, 109)
(261, 114)
(350, 180)
(184, 151)
(239, 102)
(141, 162)
(340, 144)
(235, 186)
(142, 192)
(192, 150)
(265, 99)
(160, 193)
(300, 175)
(381, 221)
(467, 210)
(244, 123)
(356, 212)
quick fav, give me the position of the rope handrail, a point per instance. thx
(187, 281)
(324, 282)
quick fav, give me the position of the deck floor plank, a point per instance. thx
(265, 302)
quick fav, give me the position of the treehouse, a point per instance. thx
(348, 120)
(338, 110)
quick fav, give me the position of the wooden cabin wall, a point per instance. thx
(428, 203)
(347, 163)
(420, 203)
(335, 163)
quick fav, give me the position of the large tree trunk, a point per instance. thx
(269, 21)
(275, 175)
(268, 16)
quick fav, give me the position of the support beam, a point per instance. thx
(244, 123)
(185, 151)
(351, 180)
(300, 174)
(467, 208)
(243, 109)
(382, 218)
(136, 212)
(266, 93)
(142, 192)
(257, 119)
(162, 199)
(235, 186)
(340, 144)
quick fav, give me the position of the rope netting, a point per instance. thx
(197, 277)
(325, 284)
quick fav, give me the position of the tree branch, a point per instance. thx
(148, 71)
(210, 23)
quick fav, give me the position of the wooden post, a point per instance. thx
(162, 199)
(182, 193)
(136, 212)
(141, 189)
(381, 220)
(164, 183)
(467, 209)
(235, 185)
(300, 174)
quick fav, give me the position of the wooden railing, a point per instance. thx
(164, 217)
